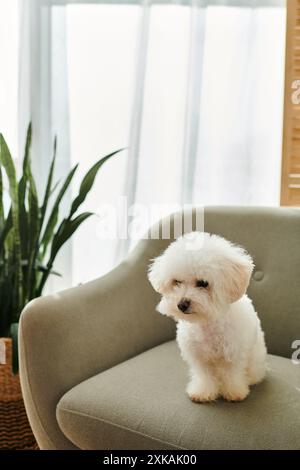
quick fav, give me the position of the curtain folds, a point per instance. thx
(193, 88)
(43, 100)
(193, 100)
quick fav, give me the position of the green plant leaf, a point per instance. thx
(34, 214)
(22, 189)
(6, 228)
(6, 288)
(27, 149)
(23, 219)
(24, 178)
(33, 219)
(88, 182)
(53, 218)
(24, 231)
(44, 269)
(9, 245)
(49, 189)
(8, 165)
(1, 203)
(2, 219)
(34, 233)
(54, 188)
(64, 232)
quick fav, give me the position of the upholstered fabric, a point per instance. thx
(141, 404)
(68, 337)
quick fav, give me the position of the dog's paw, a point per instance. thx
(200, 393)
(235, 394)
(200, 398)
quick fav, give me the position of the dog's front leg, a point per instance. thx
(202, 386)
(234, 385)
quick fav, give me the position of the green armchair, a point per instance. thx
(100, 368)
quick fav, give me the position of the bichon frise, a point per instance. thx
(203, 280)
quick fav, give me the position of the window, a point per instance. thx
(194, 91)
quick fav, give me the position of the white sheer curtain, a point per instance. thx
(193, 89)
(9, 37)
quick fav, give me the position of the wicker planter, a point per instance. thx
(15, 431)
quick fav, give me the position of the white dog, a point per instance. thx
(203, 280)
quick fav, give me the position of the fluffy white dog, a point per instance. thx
(203, 280)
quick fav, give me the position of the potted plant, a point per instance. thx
(31, 236)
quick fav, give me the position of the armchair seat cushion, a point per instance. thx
(142, 404)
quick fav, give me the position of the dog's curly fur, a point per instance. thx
(203, 280)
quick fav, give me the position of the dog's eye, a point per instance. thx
(202, 283)
(176, 283)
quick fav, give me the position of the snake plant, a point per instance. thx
(31, 231)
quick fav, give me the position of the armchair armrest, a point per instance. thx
(68, 337)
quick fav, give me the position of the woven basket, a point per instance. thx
(15, 431)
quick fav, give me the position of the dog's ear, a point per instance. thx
(157, 275)
(236, 276)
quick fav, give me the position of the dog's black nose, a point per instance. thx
(184, 305)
